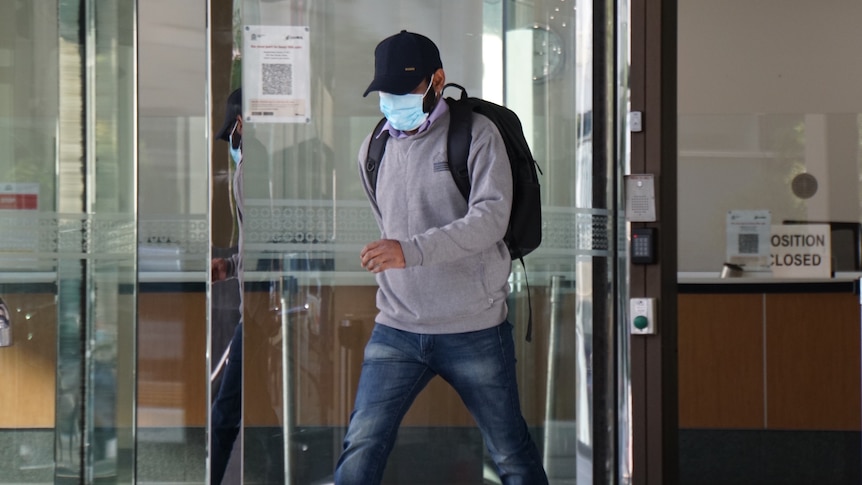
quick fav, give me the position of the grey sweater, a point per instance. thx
(457, 266)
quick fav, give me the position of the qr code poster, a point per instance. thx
(748, 234)
(276, 74)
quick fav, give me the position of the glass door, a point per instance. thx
(309, 307)
(67, 242)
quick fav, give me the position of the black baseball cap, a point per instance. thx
(233, 108)
(402, 61)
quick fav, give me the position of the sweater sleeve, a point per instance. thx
(488, 207)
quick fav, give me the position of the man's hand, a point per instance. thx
(382, 255)
(218, 269)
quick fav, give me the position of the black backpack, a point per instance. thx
(524, 233)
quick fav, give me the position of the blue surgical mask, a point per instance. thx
(235, 153)
(404, 112)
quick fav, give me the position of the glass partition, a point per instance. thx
(67, 258)
(308, 305)
(769, 120)
(116, 194)
(762, 131)
(173, 242)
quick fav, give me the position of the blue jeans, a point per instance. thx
(480, 366)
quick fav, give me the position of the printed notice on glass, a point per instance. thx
(276, 74)
(748, 243)
(19, 196)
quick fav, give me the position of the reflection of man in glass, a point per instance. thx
(227, 407)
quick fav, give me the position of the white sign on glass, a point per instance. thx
(748, 239)
(276, 74)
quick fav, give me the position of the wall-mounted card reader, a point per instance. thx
(643, 245)
(642, 313)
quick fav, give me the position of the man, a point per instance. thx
(442, 270)
(227, 407)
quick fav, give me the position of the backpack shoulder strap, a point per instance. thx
(376, 147)
(459, 139)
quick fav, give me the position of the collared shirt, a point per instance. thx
(439, 110)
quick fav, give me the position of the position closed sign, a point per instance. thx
(801, 251)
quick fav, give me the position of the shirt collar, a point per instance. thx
(439, 110)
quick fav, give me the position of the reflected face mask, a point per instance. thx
(235, 151)
(404, 111)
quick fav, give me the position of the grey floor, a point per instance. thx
(455, 456)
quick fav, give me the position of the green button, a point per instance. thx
(641, 322)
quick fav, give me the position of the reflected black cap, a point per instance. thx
(232, 109)
(402, 61)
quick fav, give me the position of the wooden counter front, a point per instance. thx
(770, 360)
(812, 349)
(28, 368)
(720, 361)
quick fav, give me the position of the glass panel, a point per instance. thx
(773, 125)
(573, 260)
(109, 239)
(226, 207)
(309, 308)
(29, 116)
(67, 258)
(172, 242)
